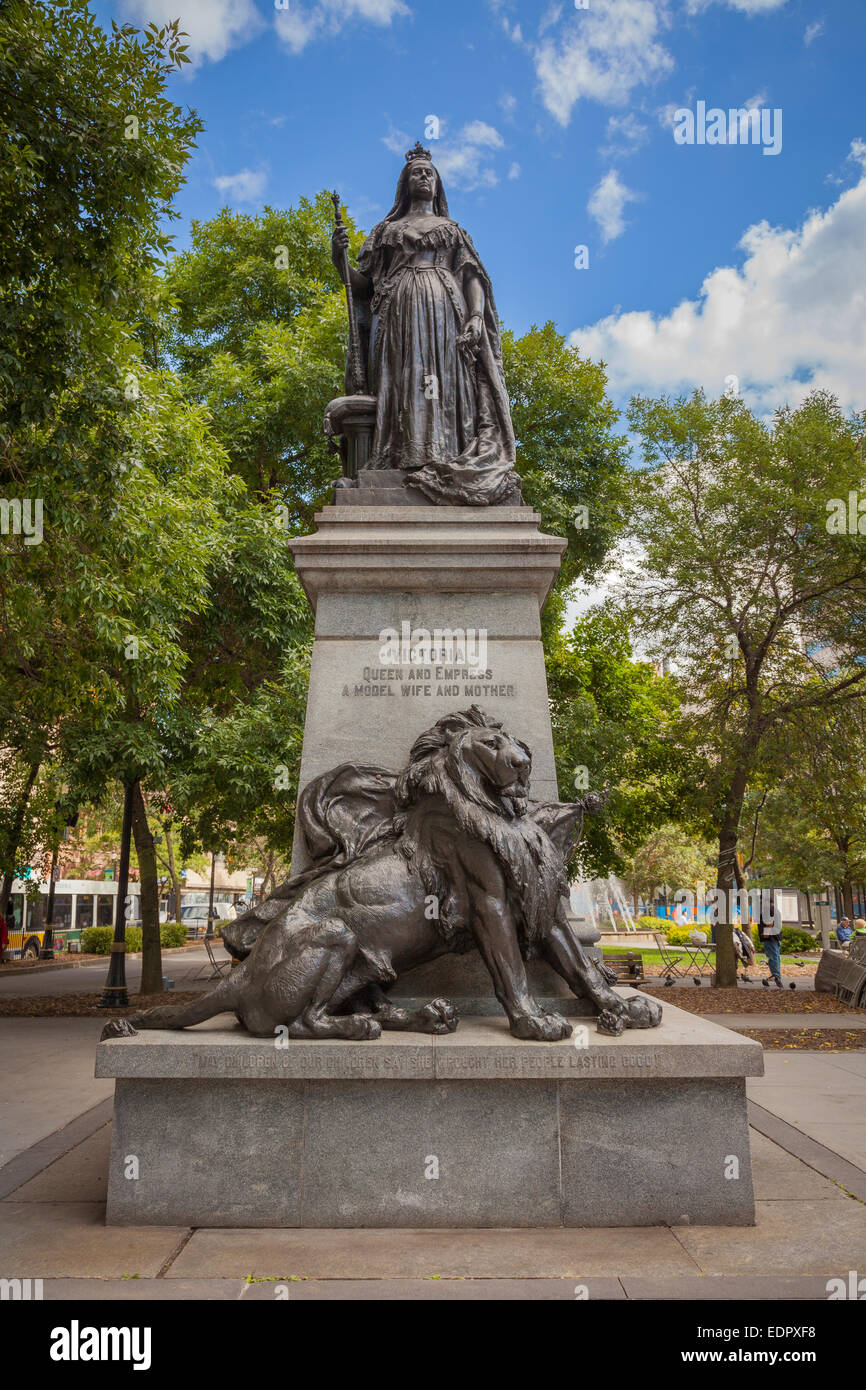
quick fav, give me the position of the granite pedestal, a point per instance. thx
(474, 1129)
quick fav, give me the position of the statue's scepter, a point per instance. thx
(356, 366)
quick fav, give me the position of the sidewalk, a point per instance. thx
(189, 968)
(808, 1161)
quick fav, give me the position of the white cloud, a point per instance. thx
(245, 187)
(514, 171)
(213, 26)
(813, 31)
(300, 24)
(550, 17)
(607, 204)
(603, 54)
(508, 102)
(624, 136)
(747, 7)
(791, 318)
(479, 133)
(515, 33)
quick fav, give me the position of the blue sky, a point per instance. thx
(556, 130)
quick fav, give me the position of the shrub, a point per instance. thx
(651, 923)
(97, 940)
(172, 934)
(682, 935)
(794, 940)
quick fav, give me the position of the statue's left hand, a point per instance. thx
(470, 339)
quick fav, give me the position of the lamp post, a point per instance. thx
(46, 951)
(115, 994)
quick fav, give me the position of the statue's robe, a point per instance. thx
(441, 417)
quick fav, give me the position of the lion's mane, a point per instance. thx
(439, 767)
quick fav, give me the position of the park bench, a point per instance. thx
(627, 968)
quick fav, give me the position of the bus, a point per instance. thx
(78, 903)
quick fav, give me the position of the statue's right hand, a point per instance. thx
(339, 245)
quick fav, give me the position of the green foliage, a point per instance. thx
(729, 516)
(651, 923)
(682, 935)
(613, 716)
(568, 455)
(84, 206)
(97, 940)
(263, 343)
(172, 934)
(793, 940)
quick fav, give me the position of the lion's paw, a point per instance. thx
(541, 1028)
(362, 1029)
(118, 1028)
(611, 1023)
(643, 1012)
(439, 1016)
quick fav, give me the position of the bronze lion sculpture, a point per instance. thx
(446, 855)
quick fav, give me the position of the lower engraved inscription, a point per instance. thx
(446, 682)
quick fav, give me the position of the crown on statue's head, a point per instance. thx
(417, 152)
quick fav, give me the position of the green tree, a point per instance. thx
(94, 154)
(669, 859)
(739, 577)
(812, 829)
(256, 329)
(612, 720)
(569, 457)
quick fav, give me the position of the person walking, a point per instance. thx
(770, 936)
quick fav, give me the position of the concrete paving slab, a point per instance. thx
(827, 1105)
(795, 1237)
(56, 1240)
(823, 1160)
(853, 1062)
(434, 1290)
(412, 1254)
(47, 1077)
(847, 1139)
(142, 1290)
(718, 1288)
(797, 1068)
(30, 1162)
(779, 1176)
(79, 1176)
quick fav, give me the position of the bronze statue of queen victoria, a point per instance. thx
(426, 346)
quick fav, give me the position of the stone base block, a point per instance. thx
(214, 1128)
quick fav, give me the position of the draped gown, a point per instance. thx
(441, 416)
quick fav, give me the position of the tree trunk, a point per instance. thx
(848, 898)
(728, 872)
(11, 847)
(151, 950)
(172, 869)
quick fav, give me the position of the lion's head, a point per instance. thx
(481, 773)
(471, 752)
